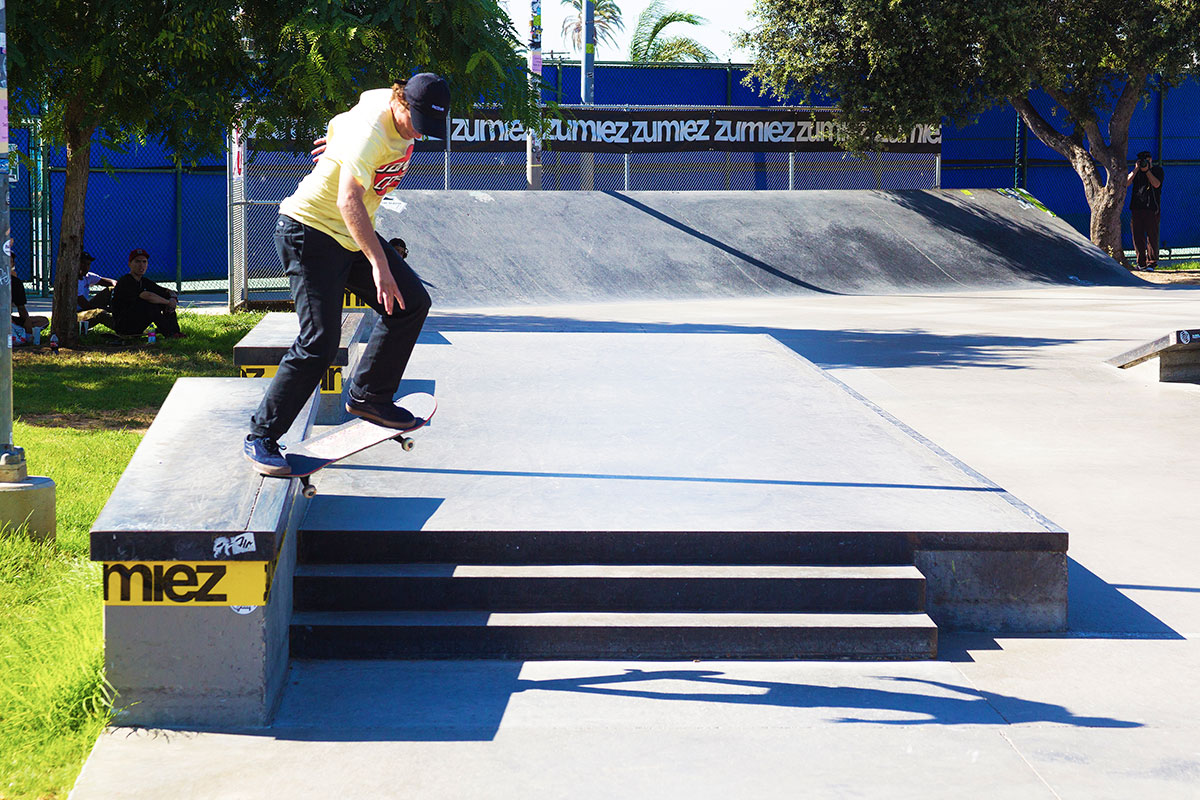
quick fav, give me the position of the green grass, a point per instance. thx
(81, 416)
(103, 377)
(1178, 266)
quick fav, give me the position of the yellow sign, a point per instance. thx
(351, 300)
(259, 372)
(187, 583)
(331, 381)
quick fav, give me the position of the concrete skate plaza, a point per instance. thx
(638, 431)
(1011, 383)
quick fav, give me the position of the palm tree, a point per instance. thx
(647, 45)
(606, 16)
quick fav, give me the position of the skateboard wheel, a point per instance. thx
(309, 491)
(407, 444)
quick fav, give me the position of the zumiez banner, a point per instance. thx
(588, 130)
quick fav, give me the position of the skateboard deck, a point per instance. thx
(316, 453)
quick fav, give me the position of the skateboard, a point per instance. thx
(316, 453)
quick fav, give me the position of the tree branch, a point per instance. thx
(1081, 160)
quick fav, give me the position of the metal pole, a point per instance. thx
(627, 172)
(587, 75)
(1162, 97)
(533, 147)
(178, 225)
(792, 170)
(937, 171)
(12, 458)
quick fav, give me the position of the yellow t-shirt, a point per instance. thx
(363, 140)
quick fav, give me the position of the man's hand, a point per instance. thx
(319, 148)
(386, 290)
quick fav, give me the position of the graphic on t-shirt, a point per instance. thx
(388, 176)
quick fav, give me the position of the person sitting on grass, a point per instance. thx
(86, 301)
(139, 302)
(21, 318)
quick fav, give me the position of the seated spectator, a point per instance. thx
(21, 319)
(138, 302)
(86, 300)
(399, 246)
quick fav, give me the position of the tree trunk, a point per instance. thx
(70, 238)
(1105, 224)
(1101, 165)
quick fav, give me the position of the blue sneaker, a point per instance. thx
(263, 453)
(389, 415)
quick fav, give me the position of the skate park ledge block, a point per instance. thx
(198, 553)
(995, 591)
(259, 352)
(1178, 354)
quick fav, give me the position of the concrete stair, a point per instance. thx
(523, 595)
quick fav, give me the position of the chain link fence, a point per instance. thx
(199, 228)
(589, 148)
(139, 195)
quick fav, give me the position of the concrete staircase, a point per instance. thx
(607, 595)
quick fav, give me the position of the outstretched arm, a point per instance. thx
(358, 221)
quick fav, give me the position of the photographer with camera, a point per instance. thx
(1145, 206)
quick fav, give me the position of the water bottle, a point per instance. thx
(37, 336)
(54, 343)
(153, 334)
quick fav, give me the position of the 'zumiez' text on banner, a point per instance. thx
(588, 130)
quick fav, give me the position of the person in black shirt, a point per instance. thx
(138, 302)
(1145, 207)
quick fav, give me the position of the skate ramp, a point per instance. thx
(503, 248)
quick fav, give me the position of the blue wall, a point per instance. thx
(138, 209)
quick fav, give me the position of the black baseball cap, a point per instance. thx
(87, 257)
(428, 99)
(1145, 154)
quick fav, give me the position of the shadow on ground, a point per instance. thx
(467, 701)
(831, 349)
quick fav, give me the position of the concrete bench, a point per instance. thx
(1178, 355)
(259, 352)
(199, 552)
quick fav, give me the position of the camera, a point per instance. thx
(1143, 162)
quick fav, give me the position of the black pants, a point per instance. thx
(97, 300)
(1145, 235)
(141, 315)
(320, 270)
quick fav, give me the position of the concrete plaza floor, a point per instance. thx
(1014, 384)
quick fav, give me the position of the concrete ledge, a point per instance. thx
(1178, 354)
(259, 352)
(994, 591)
(199, 553)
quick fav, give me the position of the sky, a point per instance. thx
(725, 17)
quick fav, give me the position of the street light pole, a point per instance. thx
(24, 501)
(12, 458)
(533, 146)
(587, 86)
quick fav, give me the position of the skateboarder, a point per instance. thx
(327, 243)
